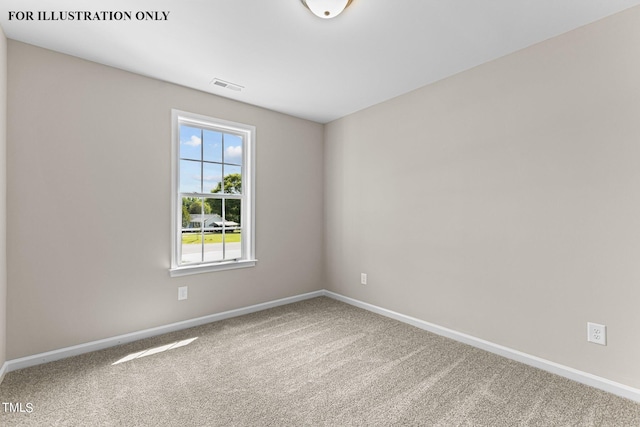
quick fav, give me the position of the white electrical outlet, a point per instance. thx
(596, 333)
(363, 278)
(182, 293)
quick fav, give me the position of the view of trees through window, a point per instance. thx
(210, 186)
(193, 205)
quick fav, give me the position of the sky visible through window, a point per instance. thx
(207, 146)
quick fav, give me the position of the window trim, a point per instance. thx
(248, 190)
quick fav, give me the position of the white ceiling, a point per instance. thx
(290, 61)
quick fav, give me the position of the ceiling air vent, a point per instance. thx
(228, 85)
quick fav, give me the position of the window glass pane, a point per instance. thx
(232, 230)
(197, 208)
(190, 143)
(213, 236)
(233, 246)
(232, 211)
(232, 179)
(211, 178)
(190, 180)
(212, 149)
(191, 232)
(232, 149)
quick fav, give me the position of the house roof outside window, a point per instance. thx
(210, 221)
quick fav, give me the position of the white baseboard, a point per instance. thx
(3, 370)
(50, 356)
(537, 362)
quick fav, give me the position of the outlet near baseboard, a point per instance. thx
(363, 278)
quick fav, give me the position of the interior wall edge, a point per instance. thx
(3, 202)
(3, 371)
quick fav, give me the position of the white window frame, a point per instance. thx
(248, 193)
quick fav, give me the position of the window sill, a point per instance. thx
(207, 268)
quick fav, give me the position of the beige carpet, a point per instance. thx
(316, 362)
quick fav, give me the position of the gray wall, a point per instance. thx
(503, 202)
(3, 197)
(89, 158)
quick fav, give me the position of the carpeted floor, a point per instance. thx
(316, 362)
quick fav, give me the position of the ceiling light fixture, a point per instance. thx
(326, 8)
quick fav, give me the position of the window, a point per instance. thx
(213, 194)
